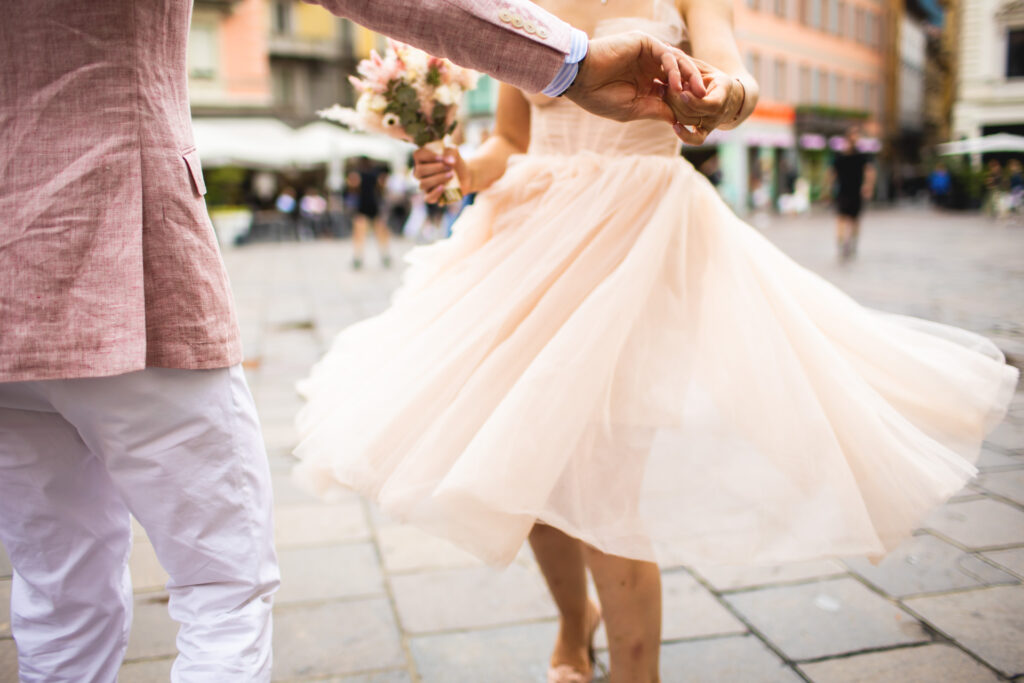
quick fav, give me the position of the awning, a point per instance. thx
(997, 142)
(271, 144)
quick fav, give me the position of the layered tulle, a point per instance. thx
(603, 346)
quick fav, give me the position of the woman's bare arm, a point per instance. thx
(511, 136)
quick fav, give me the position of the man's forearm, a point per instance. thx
(515, 41)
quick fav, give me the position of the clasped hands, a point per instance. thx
(635, 76)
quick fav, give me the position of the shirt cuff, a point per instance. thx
(567, 74)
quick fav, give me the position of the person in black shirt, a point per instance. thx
(368, 210)
(854, 182)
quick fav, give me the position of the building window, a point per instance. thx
(872, 99)
(780, 8)
(841, 91)
(202, 51)
(869, 28)
(815, 13)
(1015, 53)
(781, 88)
(858, 24)
(283, 82)
(805, 84)
(833, 16)
(841, 14)
(752, 4)
(281, 16)
(815, 87)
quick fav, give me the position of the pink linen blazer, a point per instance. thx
(108, 261)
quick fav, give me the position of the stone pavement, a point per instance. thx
(367, 600)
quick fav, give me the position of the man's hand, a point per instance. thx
(718, 108)
(626, 76)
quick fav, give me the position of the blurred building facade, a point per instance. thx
(990, 93)
(821, 67)
(280, 58)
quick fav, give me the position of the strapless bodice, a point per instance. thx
(559, 127)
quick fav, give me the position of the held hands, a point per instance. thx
(434, 172)
(697, 116)
(626, 76)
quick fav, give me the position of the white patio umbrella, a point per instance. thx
(997, 142)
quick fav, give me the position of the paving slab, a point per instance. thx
(726, 578)
(287, 492)
(405, 548)
(994, 460)
(926, 564)
(509, 654)
(153, 631)
(149, 671)
(394, 676)
(5, 608)
(1008, 484)
(1008, 436)
(723, 660)
(988, 622)
(1012, 559)
(689, 610)
(320, 524)
(979, 524)
(924, 664)
(473, 597)
(8, 661)
(5, 563)
(147, 574)
(335, 638)
(827, 618)
(329, 572)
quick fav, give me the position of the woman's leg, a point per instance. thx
(561, 560)
(359, 230)
(630, 593)
(380, 228)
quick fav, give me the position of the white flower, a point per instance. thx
(444, 95)
(378, 103)
(389, 120)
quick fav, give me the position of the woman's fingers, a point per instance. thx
(425, 170)
(690, 135)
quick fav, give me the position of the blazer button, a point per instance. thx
(505, 15)
(530, 27)
(542, 33)
(517, 21)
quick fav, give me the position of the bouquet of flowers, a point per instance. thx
(409, 95)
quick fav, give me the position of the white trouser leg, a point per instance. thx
(184, 450)
(68, 535)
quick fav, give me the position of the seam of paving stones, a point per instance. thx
(945, 638)
(937, 634)
(757, 633)
(389, 593)
(343, 677)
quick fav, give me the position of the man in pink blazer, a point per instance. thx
(121, 389)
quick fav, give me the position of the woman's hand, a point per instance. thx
(721, 106)
(434, 171)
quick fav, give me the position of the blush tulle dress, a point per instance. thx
(604, 347)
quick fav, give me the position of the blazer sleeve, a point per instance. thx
(512, 40)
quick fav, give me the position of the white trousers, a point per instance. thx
(181, 450)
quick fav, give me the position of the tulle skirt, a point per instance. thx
(604, 347)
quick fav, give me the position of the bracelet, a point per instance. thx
(743, 101)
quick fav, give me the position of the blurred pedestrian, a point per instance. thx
(940, 185)
(854, 178)
(369, 212)
(995, 187)
(313, 210)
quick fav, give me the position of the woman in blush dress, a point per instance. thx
(629, 374)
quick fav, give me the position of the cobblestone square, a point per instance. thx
(368, 600)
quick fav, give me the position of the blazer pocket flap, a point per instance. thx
(195, 169)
